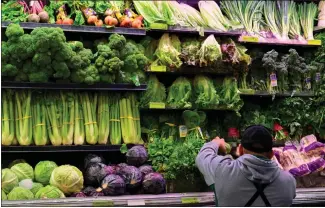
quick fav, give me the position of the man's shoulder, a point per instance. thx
(286, 177)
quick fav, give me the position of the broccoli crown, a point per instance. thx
(269, 60)
(9, 70)
(61, 70)
(105, 51)
(114, 64)
(116, 41)
(129, 49)
(14, 31)
(87, 75)
(76, 46)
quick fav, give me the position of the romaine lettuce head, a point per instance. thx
(20, 193)
(43, 171)
(9, 180)
(49, 192)
(3, 195)
(67, 178)
(23, 171)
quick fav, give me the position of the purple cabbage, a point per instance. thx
(136, 156)
(131, 176)
(79, 195)
(110, 169)
(154, 183)
(145, 169)
(91, 158)
(91, 191)
(113, 185)
(94, 174)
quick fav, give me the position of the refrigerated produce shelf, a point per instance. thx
(319, 29)
(311, 197)
(81, 28)
(72, 86)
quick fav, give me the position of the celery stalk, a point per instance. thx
(39, 120)
(103, 118)
(79, 127)
(115, 121)
(23, 117)
(89, 112)
(54, 118)
(7, 117)
(68, 111)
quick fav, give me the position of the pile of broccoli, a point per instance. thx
(45, 55)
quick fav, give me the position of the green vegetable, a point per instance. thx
(115, 121)
(103, 115)
(9, 180)
(180, 93)
(3, 195)
(68, 111)
(296, 66)
(49, 192)
(67, 178)
(89, 107)
(193, 17)
(149, 11)
(230, 95)
(295, 27)
(127, 121)
(36, 187)
(79, 124)
(204, 92)
(269, 62)
(13, 12)
(26, 183)
(39, 120)
(23, 171)
(43, 171)
(7, 117)
(20, 193)
(213, 16)
(210, 52)
(307, 13)
(190, 47)
(167, 55)
(156, 92)
(53, 121)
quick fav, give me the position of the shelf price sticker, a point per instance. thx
(251, 39)
(133, 203)
(274, 81)
(190, 200)
(103, 203)
(308, 83)
(314, 42)
(158, 26)
(158, 68)
(157, 105)
(182, 131)
(317, 77)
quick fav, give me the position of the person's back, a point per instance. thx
(252, 179)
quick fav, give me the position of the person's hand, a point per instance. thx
(221, 143)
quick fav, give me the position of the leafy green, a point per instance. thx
(180, 93)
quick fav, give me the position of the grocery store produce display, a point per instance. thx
(145, 84)
(47, 180)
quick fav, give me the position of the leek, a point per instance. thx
(286, 10)
(39, 120)
(295, 28)
(23, 117)
(103, 118)
(68, 111)
(7, 117)
(307, 13)
(271, 18)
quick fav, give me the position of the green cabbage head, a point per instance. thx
(43, 171)
(49, 192)
(20, 193)
(67, 178)
(9, 180)
(23, 171)
(3, 195)
(36, 187)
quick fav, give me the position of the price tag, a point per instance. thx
(158, 68)
(157, 105)
(133, 203)
(158, 26)
(317, 77)
(182, 131)
(314, 42)
(190, 200)
(103, 203)
(250, 39)
(308, 83)
(274, 81)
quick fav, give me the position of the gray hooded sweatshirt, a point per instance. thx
(233, 179)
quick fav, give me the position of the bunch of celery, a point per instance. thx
(136, 117)
(68, 117)
(7, 117)
(156, 92)
(39, 120)
(89, 107)
(23, 115)
(103, 115)
(115, 121)
(205, 92)
(166, 52)
(79, 123)
(54, 117)
(307, 13)
(210, 52)
(128, 127)
(180, 93)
